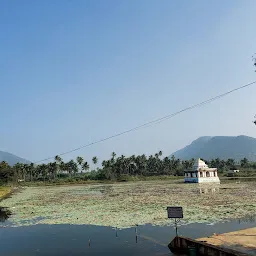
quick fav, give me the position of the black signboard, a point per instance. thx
(175, 212)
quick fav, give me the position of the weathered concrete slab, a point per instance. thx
(185, 245)
(242, 240)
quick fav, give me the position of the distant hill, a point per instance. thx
(222, 147)
(12, 159)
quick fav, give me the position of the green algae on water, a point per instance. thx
(123, 205)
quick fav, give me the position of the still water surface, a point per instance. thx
(66, 240)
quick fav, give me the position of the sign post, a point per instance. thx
(175, 213)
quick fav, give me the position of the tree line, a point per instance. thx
(112, 169)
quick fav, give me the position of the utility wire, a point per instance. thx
(156, 121)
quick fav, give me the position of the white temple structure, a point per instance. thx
(201, 173)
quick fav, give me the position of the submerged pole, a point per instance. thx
(136, 232)
(176, 227)
(136, 229)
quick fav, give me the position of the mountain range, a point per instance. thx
(12, 159)
(222, 147)
(206, 147)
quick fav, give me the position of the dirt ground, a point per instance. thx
(242, 240)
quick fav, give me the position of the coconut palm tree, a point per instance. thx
(52, 169)
(85, 166)
(71, 167)
(80, 162)
(186, 164)
(173, 162)
(58, 161)
(63, 166)
(43, 171)
(166, 165)
(244, 162)
(36, 172)
(3, 165)
(141, 164)
(103, 163)
(25, 170)
(230, 163)
(151, 164)
(113, 157)
(95, 160)
(6, 172)
(31, 170)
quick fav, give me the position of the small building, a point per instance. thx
(201, 173)
(232, 172)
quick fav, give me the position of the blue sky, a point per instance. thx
(72, 72)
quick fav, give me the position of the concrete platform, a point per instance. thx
(243, 241)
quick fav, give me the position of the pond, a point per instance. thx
(125, 205)
(81, 220)
(65, 240)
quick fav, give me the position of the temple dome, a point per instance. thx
(199, 164)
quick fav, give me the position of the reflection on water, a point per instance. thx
(248, 219)
(4, 214)
(240, 179)
(206, 189)
(78, 240)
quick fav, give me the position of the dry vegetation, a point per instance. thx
(127, 204)
(4, 191)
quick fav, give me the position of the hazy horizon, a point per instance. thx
(110, 153)
(74, 72)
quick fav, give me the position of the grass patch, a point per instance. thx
(4, 191)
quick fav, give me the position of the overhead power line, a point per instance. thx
(156, 121)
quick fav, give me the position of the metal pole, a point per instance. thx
(176, 227)
(136, 232)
